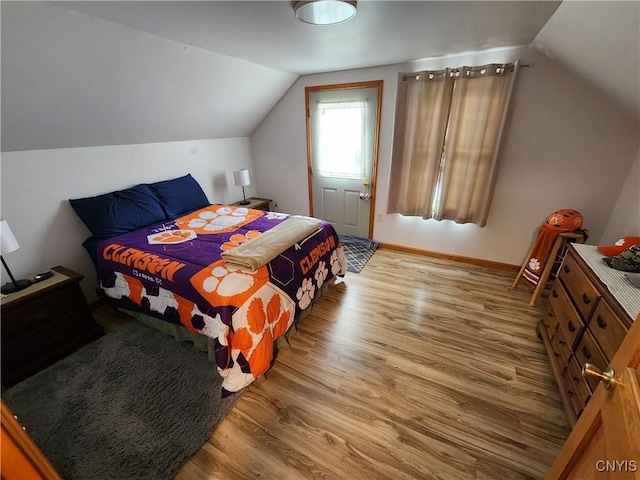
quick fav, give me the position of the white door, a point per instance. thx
(342, 144)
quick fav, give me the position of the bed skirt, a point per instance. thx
(202, 343)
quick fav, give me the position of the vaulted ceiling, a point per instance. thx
(381, 33)
(598, 39)
(86, 73)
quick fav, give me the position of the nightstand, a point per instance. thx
(256, 204)
(43, 324)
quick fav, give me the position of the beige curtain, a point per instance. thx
(422, 109)
(447, 142)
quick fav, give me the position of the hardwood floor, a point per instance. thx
(417, 368)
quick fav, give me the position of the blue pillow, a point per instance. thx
(119, 212)
(180, 196)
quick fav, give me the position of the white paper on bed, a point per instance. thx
(259, 251)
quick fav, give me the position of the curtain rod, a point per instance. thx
(441, 71)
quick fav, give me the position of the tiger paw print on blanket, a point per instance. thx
(238, 238)
(263, 313)
(219, 219)
(256, 325)
(171, 237)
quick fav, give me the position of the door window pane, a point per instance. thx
(341, 139)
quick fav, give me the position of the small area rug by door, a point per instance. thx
(135, 404)
(358, 251)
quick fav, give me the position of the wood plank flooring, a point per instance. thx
(417, 368)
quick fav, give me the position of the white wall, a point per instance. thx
(568, 147)
(37, 184)
(625, 217)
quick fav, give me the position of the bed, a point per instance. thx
(236, 276)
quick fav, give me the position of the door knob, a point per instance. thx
(364, 196)
(607, 377)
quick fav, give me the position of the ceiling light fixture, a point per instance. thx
(324, 12)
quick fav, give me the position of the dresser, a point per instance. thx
(591, 307)
(44, 323)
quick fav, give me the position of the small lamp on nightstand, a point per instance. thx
(8, 243)
(241, 178)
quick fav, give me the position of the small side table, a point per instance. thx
(555, 258)
(44, 323)
(256, 203)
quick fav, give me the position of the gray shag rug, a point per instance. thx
(135, 404)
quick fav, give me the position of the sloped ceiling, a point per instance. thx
(601, 42)
(103, 73)
(382, 32)
(72, 80)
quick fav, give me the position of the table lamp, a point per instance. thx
(8, 243)
(241, 178)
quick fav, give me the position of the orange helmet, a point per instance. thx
(565, 220)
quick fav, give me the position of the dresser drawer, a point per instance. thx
(571, 394)
(557, 354)
(588, 351)
(582, 391)
(39, 311)
(551, 320)
(42, 342)
(607, 329)
(564, 348)
(580, 289)
(569, 322)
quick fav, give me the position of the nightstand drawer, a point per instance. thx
(37, 312)
(42, 342)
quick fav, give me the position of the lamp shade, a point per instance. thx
(8, 242)
(241, 178)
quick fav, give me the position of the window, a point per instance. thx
(341, 125)
(449, 128)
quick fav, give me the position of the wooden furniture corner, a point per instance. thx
(21, 457)
(256, 203)
(43, 324)
(558, 246)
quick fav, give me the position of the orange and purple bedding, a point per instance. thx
(174, 271)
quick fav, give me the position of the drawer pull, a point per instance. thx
(556, 354)
(572, 327)
(41, 315)
(570, 393)
(586, 299)
(601, 322)
(586, 352)
(554, 293)
(576, 379)
(566, 269)
(561, 342)
(52, 340)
